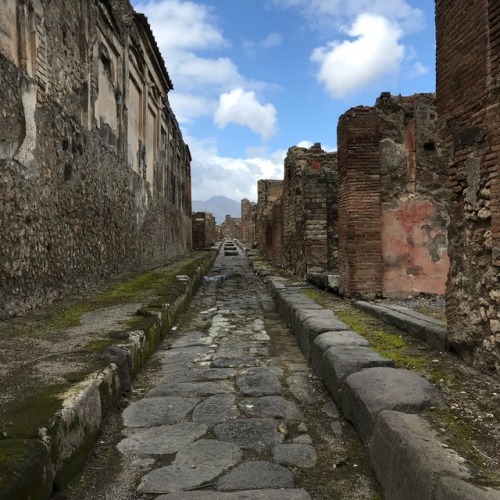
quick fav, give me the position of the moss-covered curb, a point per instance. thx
(47, 434)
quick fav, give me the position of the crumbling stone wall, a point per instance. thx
(310, 231)
(468, 101)
(413, 195)
(392, 185)
(269, 220)
(95, 180)
(230, 228)
(204, 229)
(248, 221)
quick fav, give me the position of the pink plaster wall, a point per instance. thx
(414, 248)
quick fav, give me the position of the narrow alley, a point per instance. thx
(227, 408)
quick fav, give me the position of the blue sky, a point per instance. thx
(254, 77)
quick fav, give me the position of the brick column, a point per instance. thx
(360, 258)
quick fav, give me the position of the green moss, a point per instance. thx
(97, 345)
(463, 439)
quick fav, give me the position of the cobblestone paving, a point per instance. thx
(229, 409)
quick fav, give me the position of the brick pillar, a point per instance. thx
(468, 101)
(360, 258)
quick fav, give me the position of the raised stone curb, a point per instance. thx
(383, 402)
(410, 461)
(430, 330)
(370, 391)
(68, 436)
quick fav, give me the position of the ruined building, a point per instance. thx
(248, 222)
(392, 199)
(95, 176)
(204, 229)
(310, 211)
(230, 228)
(269, 219)
(468, 102)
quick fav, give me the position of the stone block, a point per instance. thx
(452, 487)
(339, 362)
(310, 324)
(332, 339)
(409, 460)
(368, 392)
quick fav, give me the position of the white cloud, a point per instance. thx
(242, 108)
(235, 178)
(419, 69)
(350, 65)
(308, 144)
(190, 25)
(328, 14)
(252, 47)
(272, 40)
(188, 107)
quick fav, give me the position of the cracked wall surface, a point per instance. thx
(468, 102)
(392, 199)
(95, 176)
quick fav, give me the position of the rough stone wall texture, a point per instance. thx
(360, 235)
(204, 229)
(230, 228)
(468, 102)
(247, 226)
(74, 208)
(402, 186)
(269, 220)
(310, 232)
(414, 194)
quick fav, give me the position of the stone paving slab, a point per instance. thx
(255, 475)
(158, 411)
(272, 407)
(264, 494)
(368, 392)
(259, 383)
(190, 388)
(201, 375)
(409, 459)
(216, 409)
(295, 455)
(301, 388)
(251, 433)
(194, 465)
(163, 439)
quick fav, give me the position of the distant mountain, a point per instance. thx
(219, 206)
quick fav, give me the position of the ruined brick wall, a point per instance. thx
(414, 196)
(269, 225)
(204, 229)
(468, 100)
(310, 231)
(248, 218)
(230, 228)
(95, 177)
(360, 253)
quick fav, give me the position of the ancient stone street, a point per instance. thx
(229, 409)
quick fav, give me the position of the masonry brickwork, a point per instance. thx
(360, 235)
(392, 190)
(269, 220)
(95, 176)
(204, 229)
(248, 222)
(230, 228)
(310, 231)
(468, 101)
